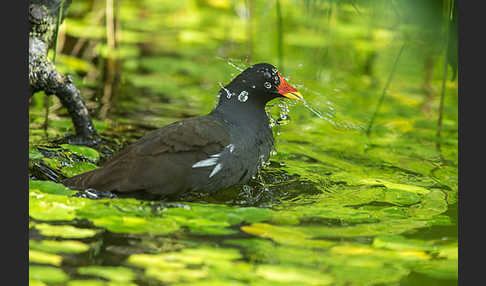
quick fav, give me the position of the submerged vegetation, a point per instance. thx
(360, 190)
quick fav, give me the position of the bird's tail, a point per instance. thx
(79, 182)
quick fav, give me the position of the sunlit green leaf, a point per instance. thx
(83, 151)
(77, 168)
(116, 274)
(54, 246)
(36, 256)
(293, 275)
(49, 187)
(47, 274)
(64, 231)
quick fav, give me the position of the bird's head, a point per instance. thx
(258, 83)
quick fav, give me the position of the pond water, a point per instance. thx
(333, 206)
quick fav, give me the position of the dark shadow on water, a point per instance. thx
(439, 232)
(415, 279)
(269, 189)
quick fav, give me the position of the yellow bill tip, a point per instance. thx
(295, 95)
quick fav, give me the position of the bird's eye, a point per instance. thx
(267, 75)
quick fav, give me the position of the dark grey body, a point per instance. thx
(205, 154)
(162, 161)
(252, 142)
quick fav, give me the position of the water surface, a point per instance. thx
(333, 206)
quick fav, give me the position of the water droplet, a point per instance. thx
(243, 96)
(235, 66)
(283, 114)
(316, 112)
(253, 86)
(272, 121)
(261, 162)
(247, 189)
(228, 93)
(330, 117)
(231, 147)
(276, 80)
(216, 101)
(267, 84)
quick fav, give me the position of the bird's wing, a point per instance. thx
(202, 134)
(197, 137)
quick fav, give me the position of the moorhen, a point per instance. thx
(204, 154)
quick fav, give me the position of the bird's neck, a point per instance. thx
(242, 114)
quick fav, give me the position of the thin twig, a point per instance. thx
(110, 25)
(249, 29)
(355, 8)
(441, 105)
(59, 19)
(390, 78)
(279, 36)
(45, 125)
(444, 79)
(81, 41)
(110, 61)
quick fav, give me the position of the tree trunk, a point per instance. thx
(43, 76)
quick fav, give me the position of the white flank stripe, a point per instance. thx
(216, 170)
(206, 163)
(213, 161)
